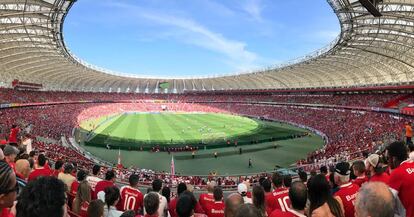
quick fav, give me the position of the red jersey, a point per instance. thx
(290, 213)
(206, 199)
(13, 135)
(215, 209)
(39, 172)
(401, 180)
(74, 187)
(348, 193)
(100, 186)
(360, 180)
(279, 199)
(171, 207)
(131, 199)
(84, 209)
(5, 212)
(383, 177)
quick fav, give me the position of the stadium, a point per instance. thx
(336, 121)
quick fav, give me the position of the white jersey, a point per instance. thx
(93, 180)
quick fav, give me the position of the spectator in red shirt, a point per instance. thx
(8, 189)
(173, 203)
(131, 196)
(347, 192)
(10, 154)
(358, 168)
(41, 170)
(58, 168)
(151, 204)
(83, 194)
(298, 196)
(14, 131)
(216, 209)
(108, 182)
(374, 200)
(279, 198)
(376, 169)
(402, 175)
(208, 197)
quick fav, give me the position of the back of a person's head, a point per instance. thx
(41, 160)
(359, 166)
(232, 204)
(157, 185)
(151, 203)
(109, 175)
(96, 208)
(32, 154)
(319, 193)
(397, 150)
(410, 147)
(298, 195)
(277, 180)
(267, 185)
(374, 199)
(303, 176)
(218, 193)
(128, 213)
(42, 197)
(259, 197)
(111, 195)
(133, 180)
(68, 168)
(58, 165)
(287, 181)
(210, 186)
(96, 169)
(81, 175)
(7, 184)
(324, 169)
(186, 204)
(166, 192)
(181, 188)
(248, 210)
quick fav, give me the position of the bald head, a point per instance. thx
(232, 203)
(374, 200)
(23, 167)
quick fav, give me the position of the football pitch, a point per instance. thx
(268, 144)
(145, 130)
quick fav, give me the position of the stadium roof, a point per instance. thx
(369, 51)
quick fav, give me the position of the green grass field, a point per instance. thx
(164, 126)
(133, 130)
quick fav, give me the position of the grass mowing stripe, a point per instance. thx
(177, 127)
(108, 130)
(154, 131)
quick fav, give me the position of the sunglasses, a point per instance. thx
(14, 189)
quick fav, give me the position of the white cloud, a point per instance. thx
(254, 8)
(190, 32)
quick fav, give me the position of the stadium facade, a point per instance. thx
(369, 51)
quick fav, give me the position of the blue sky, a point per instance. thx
(177, 38)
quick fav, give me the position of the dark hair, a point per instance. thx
(133, 180)
(151, 203)
(68, 168)
(218, 193)
(319, 193)
(109, 175)
(42, 197)
(298, 195)
(96, 208)
(398, 150)
(181, 188)
(41, 160)
(248, 210)
(267, 185)
(156, 185)
(277, 180)
(303, 176)
(58, 165)
(32, 153)
(166, 192)
(324, 169)
(259, 198)
(128, 213)
(111, 196)
(186, 204)
(6, 174)
(359, 166)
(95, 169)
(81, 175)
(287, 181)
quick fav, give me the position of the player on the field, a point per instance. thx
(348, 191)
(131, 197)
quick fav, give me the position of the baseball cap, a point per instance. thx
(242, 188)
(9, 150)
(373, 160)
(343, 168)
